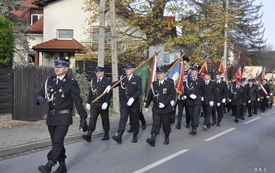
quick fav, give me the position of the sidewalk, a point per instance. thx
(34, 135)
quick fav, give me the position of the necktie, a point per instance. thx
(58, 80)
(206, 82)
(98, 80)
(129, 78)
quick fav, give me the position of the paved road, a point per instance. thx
(244, 147)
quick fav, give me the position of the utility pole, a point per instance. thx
(101, 42)
(226, 37)
(114, 54)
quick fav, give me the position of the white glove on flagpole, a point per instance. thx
(223, 100)
(104, 106)
(218, 104)
(258, 99)
(130, 101)
(88, 106)
(107, 89)
(249, 101)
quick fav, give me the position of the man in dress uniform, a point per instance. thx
(194, 91)
(101, 106)
(60, 91)
(130, 90)
(222, 95)
(264, 93)
(252, 97)
(208, 98)
(238, 99)
(246, 90)
(162, 93)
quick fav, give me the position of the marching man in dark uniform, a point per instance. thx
(238, 99)
(194, 91)
(60, 91)
(101, 106)
(264, 93)
(130, 90)
(208, 99)
(222, 95)
(252, 97)
(162, 93)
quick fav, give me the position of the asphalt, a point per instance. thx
(30, 138)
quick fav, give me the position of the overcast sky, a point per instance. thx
(268, 20)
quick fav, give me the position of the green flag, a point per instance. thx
(143, 72)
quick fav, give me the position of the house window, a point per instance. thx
(35, 18)
(65, 34)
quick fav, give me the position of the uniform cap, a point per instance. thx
(99, 69)
(195, 68)
(161, 70)
(207, 73)
(251, 80)
(61, 62)
(218, 73)
(129, 66)
(239, 80)
(233, 78)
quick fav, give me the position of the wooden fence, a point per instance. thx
(5, 90)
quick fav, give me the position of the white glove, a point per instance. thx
(202, 99)
(211, 103)
(144, 104)
(267, 96)
(146, 109)
(104, 106)
(258, 99)
(130, 101)
(229, 100)
(271, 94)
(249, 101)
(161, 105)
(107, 89)
(223, 100)
(218, 104)
(172, 102)
(193, 96)
(88, 106)
(183, 97)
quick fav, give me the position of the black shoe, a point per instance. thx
(193, 132)
(151, 140)
(47, 168)
(134, 140)
(117, 139)
(201, 114)
(178, 126)
(243, 118)
(105, 137)
(218, 124)
(143, 127)
(61, 168)
(166, 140)
(213, 123)
(187, 126)
(87, 138)
(236, 120)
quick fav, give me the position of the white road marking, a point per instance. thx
(220, 134)
(269, 113)
(146, 168)
(251, 120)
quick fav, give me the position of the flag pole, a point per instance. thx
(114, 85)
(175, 63)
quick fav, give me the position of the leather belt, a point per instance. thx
(57, 112)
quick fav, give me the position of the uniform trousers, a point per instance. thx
(57, 133)
(207, 110)
(251, 107)
(95, 111)
(237, 109)
(181, 105)
(220, 110)
(194, 112)
(161, 119)
(125, 111)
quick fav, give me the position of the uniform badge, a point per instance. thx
(64, 80)
(134, 83)
(164, 90)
